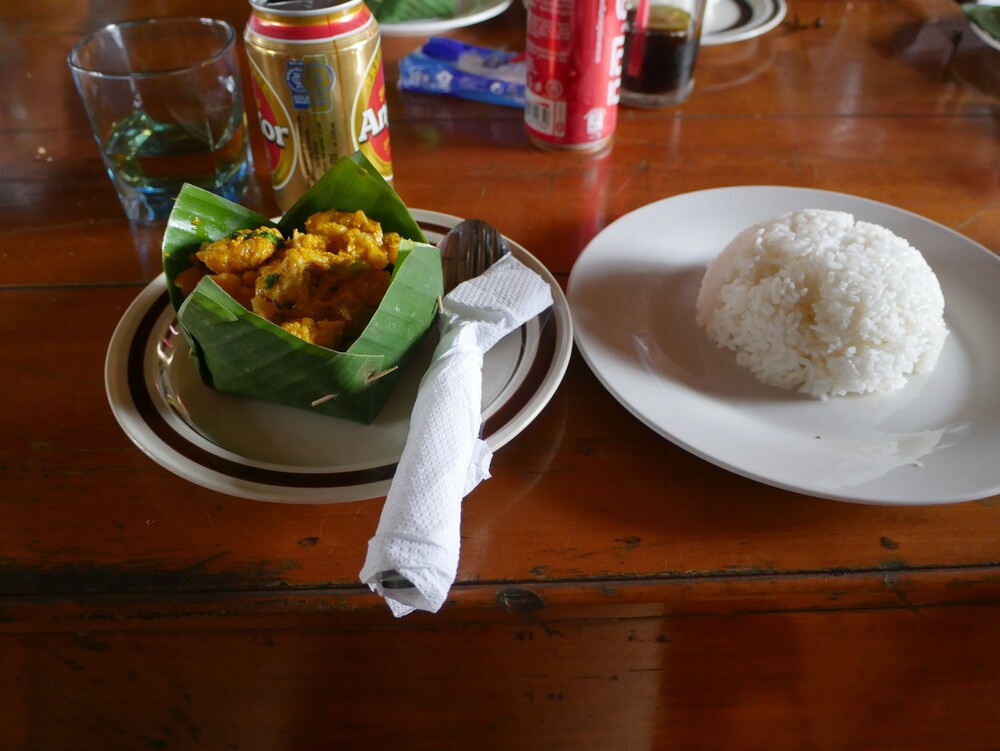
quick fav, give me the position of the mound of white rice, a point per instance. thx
(816, 301)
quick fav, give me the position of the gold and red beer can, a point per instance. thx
(316, 69)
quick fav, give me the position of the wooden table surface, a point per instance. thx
(614, 591)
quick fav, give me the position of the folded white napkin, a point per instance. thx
(444, 459)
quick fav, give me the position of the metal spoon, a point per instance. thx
(468, 249)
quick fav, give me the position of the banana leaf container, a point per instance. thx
(241, 353)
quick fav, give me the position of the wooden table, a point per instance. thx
(614, 592)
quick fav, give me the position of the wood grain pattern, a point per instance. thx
(614, 591)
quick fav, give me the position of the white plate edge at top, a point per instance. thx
(772, 13)
(430, 26)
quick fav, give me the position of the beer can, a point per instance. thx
(574, 54)
(316, 69)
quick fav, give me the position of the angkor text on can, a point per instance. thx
(317, 74)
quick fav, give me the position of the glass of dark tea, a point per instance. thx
(165, 103)
(661, 49)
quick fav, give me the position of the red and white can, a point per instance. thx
(574, 54)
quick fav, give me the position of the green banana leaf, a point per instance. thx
(238, 352)
(986, 17)
(399, 11)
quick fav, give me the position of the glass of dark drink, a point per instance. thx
(661, 49)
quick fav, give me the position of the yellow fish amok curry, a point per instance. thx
(317, 310)
(322, 285)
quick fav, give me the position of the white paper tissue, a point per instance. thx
(444, 458)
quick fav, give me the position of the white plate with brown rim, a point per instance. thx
(730, 21)
(268, 452)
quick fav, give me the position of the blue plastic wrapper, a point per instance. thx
(447, 66)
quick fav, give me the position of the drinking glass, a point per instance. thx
(165, 103)
(661, 48)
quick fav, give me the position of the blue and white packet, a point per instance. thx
(447, 66)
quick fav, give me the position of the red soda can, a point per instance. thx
(574, 57)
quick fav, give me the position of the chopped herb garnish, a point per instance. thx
(268, 234)
(270, 279)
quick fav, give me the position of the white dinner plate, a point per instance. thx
(936, 440)
(728, 21)
(268, 452)
(467, 13)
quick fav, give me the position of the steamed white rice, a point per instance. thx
(816, 301)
